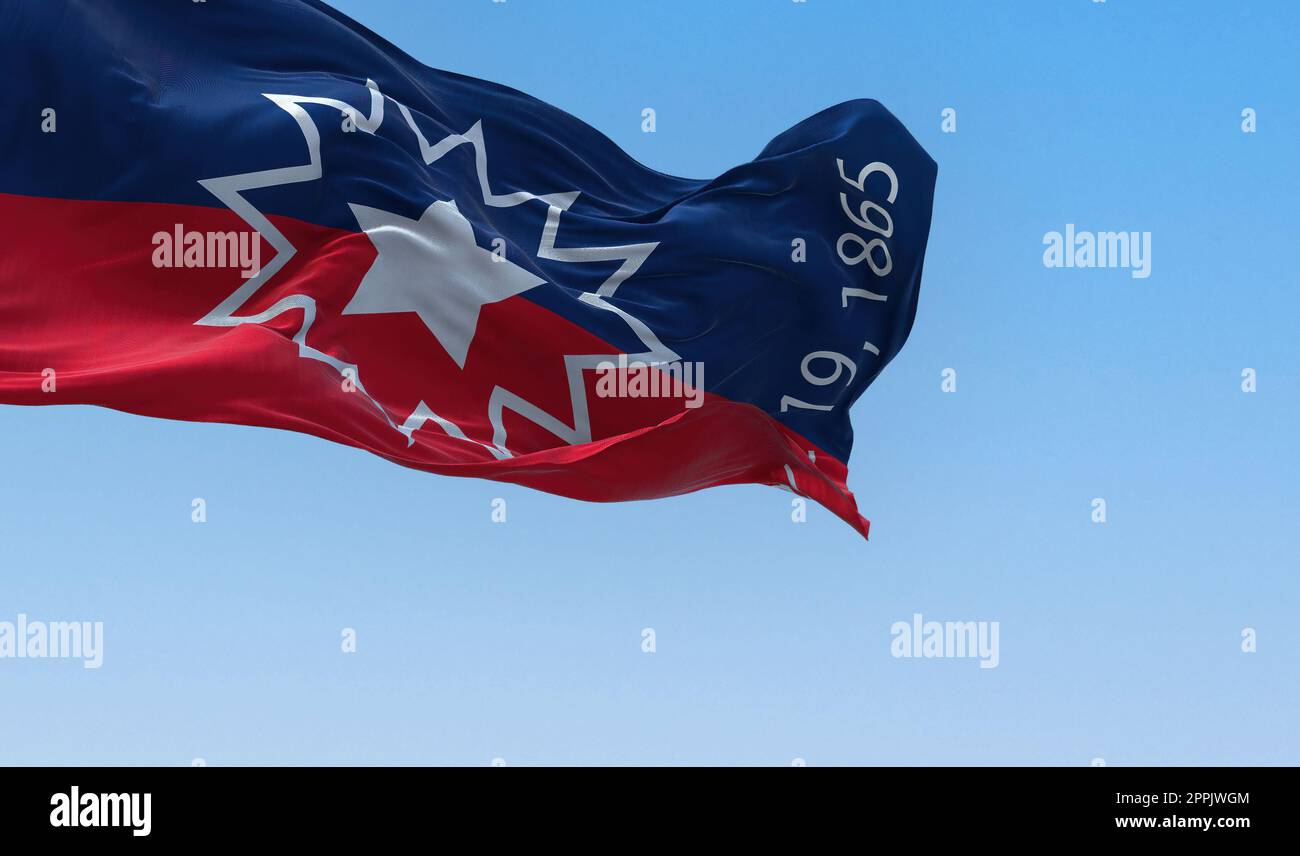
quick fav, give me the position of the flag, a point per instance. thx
(260, 212)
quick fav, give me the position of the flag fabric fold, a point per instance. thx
(262, 213)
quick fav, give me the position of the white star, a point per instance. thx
(434, 268)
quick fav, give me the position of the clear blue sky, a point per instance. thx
(522, 641)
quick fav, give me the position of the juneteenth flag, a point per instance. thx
(260, 212)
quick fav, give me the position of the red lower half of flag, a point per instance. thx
(101, 303)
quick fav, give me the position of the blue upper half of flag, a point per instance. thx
(792, 278)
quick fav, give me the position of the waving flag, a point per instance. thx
(259, 212)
